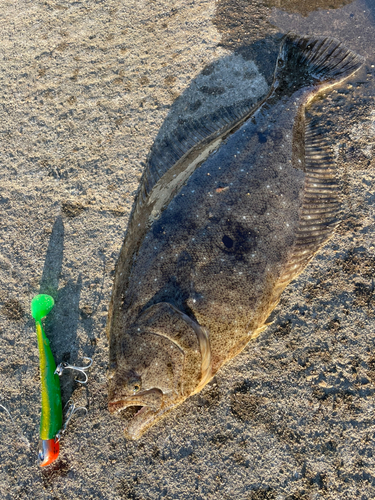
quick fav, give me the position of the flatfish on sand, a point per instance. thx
(228, 213)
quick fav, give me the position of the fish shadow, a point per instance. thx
(62, 323)
(234, 82)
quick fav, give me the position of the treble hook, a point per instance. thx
(71, 411)
(63, 366)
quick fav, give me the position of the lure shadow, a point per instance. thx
(62, 323)
(53, 262)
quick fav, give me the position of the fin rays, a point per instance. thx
(321, 204)
(324, 58)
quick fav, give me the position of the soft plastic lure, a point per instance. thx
(51, 419)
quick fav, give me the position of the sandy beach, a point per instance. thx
(87, 88)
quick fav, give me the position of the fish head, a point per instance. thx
(147, 376)
(158, 364)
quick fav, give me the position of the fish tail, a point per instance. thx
(306, 61)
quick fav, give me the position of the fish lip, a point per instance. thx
(118, 405)
(151, 398)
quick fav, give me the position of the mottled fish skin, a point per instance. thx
(216, 237)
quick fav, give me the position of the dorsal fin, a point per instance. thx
(168, 151)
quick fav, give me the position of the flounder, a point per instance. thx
(226, 216)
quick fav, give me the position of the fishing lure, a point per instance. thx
(52, 417)
(51, 427)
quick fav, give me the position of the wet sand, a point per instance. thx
(87, 87)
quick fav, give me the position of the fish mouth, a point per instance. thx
(150, 403)
(153, 399)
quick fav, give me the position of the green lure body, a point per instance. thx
(51, 418)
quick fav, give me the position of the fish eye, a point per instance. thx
(280, 63)
(133, 383)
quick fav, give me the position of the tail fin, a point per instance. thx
(313, 61)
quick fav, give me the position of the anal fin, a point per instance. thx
(321, 208)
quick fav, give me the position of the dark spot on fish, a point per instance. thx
(228, 242)
(262, 137)
(238, 240)
(260, 207)
(250, 74)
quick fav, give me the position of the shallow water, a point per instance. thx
(87, 88)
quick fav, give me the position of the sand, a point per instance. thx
(87, 87)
